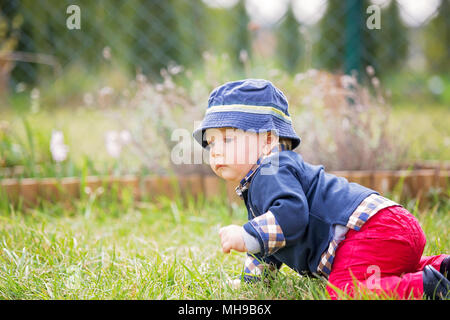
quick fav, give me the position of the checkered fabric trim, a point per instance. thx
(270, 232)
(326, 259)
(254, 268)
(368, 207)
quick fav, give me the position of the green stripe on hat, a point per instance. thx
(250, 109)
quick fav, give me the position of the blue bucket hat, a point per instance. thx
(250, 104)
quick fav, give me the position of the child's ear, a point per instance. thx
(271, 138)
(268, 137)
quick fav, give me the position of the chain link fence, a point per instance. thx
(41, 39)
(159, 59)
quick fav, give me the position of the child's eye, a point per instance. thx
(209, 144)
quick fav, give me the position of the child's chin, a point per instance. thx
(225, 174)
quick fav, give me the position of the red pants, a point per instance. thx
(385, 257)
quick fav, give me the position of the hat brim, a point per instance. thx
(245, 121)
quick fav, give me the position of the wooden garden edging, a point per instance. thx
(413, 183)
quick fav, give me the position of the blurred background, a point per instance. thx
(99, 99)
(108, 95)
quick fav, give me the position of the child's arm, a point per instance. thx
(236, 238)
(282, 210)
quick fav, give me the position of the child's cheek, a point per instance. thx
(242, 156)
(253, 151)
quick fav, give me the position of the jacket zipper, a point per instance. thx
(251, 210)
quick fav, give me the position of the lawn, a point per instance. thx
(103, 248)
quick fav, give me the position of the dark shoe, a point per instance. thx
(445, 267)
(435, 285)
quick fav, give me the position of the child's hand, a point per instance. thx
(231, 238)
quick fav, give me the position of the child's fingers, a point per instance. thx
(223, 241)
(226, 247)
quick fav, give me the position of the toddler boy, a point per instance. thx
(299, 215)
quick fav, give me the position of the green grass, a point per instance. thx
(109, 249)
(101, 248)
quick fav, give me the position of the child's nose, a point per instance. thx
(216, 150)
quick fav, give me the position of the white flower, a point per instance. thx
(345, 124)
(105, 91)
(243, 55)
(57, 147)
(35, 94)
(113, 145)
(347, 81)
(370, 71)
(447, 141)
(175, 69)
(274, 72)
(125, 136)
(159, 87)
(299, 77)
(114, 141)
(206, 55)
(16, 149)
(20, 87)
(107, 53)
(88, 99)
(375, 82)
(311, 73)
(141, 78)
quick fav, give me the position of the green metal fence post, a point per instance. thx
(353, 39)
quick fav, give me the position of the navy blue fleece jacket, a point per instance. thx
(293, 207)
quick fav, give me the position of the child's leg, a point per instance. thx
(434, 261)
(382, 256)
(409, 285)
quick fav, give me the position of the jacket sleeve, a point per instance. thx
(257, 267)
(282, 210)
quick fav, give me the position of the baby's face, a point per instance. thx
(233, 152)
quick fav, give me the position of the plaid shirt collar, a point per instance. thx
(245, 182)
